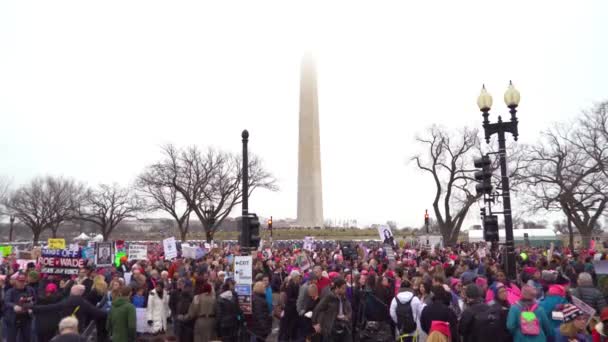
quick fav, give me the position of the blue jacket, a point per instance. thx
(579, 337)
(14, 297)
(513, 325)
(269, 298)
(548, 304)
(139, 301)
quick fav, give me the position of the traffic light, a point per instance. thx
(254, 231)
(490, 228)
(484, 177)
(270, 224)
(250, 233)
(426, 217)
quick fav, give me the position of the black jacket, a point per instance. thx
(261, 319)
(469, 328)
(47, 322)
(227, 312)
(438, 311)
(501, 312)
(86, 311)
(68, 338)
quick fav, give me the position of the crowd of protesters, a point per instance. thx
(335, 292)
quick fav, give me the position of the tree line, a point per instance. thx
(565, 171)
(184, 182)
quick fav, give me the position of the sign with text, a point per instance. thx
(6, 250)
(243, 293)
(60, 261)
(243, 269)
(188, 252)
(138, 252)
(170, 248)
(56, 243)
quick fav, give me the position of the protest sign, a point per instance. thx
(103, 254)
(141, 321)
(138, 252)
(127, 276)
(243, 293)
(6, 250)
(188, 252)
(60, 261)
(88, 253)
(243, 269)
(588, 310)
(600, 266)
(308, 241)
(386, 235)
(56, 243)
(170, 248)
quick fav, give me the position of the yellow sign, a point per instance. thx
(57, 243)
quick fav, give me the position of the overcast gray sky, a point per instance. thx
(92, 89)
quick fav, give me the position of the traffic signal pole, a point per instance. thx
(245, 201)
(426, 223)
(506, 199)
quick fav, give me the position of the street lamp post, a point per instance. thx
(484, 101)
(10, 234)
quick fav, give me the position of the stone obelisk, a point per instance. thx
(310, 194)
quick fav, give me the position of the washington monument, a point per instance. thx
(310, 193)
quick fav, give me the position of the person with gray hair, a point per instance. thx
(588, 293)
(68, 331)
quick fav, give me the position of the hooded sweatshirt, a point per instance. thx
(404, 297)
(556, 295)
(121, 321)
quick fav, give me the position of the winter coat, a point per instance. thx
(14, 297)
(73, 305)
(121, 322)
(327, 311)
(202, 311)
(158, 311)
(501, 311)
(68, 338)
(514, 328)
(468, 328)
(47, 322)
(261, 319)
(405, 297)
(598, 333)
(591, 296)
(548, 304)
(227, 312)
(438, 311)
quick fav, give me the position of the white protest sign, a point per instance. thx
(588, 310)
(138, 252)
(601, 266)
(170, 248)
(243, 269)
(188, 252)
(141, 322)
(386, 235)
(308, 241)
(127, 276)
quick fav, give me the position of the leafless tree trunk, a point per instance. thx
(566, 171)
(45, 203)
(450, 162)
(165, 197)
(108, 205)
(209, 182)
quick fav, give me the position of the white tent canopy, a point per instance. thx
(97, 238)
(82, 237)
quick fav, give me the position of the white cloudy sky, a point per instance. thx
(92, 89)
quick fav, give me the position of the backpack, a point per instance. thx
(405, 316)
(487, 321)
(528, 321)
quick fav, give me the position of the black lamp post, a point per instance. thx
(12, 221)
(484, 101)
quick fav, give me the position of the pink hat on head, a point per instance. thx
(481, 282)
(50, 288)
(333, 275)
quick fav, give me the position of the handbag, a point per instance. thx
(339, 329)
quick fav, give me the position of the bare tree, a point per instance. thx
(108, 205)
(165, 197)
(45, 203)
(449, 159)
(566, 171)
(210, 181)
(5, 187)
